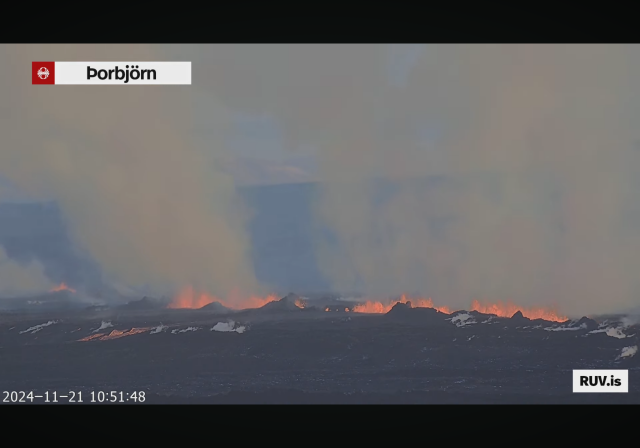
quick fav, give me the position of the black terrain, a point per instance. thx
(285, 354)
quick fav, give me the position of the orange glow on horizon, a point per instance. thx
(189, 299)
(62, 287)
(501, 309)
(375, 307)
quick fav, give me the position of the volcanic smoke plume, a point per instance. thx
(19, 280)
(137, 192)
(516, 165)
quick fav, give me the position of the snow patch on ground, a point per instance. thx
(628, 352)
(160, 328)
(37, 328)
(103, 325)
(185, 330)
(228, 327)
(611, 331)
(616, 333)
(462, 319)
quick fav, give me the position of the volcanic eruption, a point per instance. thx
(62, 287)
(190, 299)
(508, 309)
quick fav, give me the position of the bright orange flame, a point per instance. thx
(379, 308)
(188, 298)
(509, 309)
(62, 287)
(300, 303)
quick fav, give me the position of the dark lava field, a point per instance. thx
(281, 353)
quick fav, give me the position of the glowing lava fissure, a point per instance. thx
(62, 287)
(190, 299)
(508, 309)
(115, 334)
(500, 309)
(376, 307)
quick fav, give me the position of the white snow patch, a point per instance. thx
(228, 327)
(37, 328)
(628, 352)
(103, 325)
(185, 330)
(487, 321)
(462, 319)
(160, 328)
(611, 331)
(616, 333)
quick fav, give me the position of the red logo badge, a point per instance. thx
(43, 73)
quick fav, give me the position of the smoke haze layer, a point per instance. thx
(535, 150)
(137, 192)
(18, 279)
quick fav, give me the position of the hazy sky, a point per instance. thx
(256, 142)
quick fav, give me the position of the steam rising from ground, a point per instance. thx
(536, 150)
(20, 280)
(137, 192)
